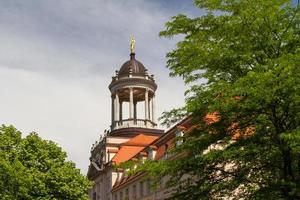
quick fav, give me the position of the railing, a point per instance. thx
(140, 123)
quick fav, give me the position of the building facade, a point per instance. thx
(133, 135)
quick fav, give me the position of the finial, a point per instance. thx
(132, 44)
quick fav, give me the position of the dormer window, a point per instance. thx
(178, 138)
(150, 153)
(166, 147)
(166, 153)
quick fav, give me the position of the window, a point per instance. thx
(166, 154)
(150, 153)
(126, 193)
(94, 196)
(121, 195)
(166, 147)
(116, 197)
(148, 187)
(134, 191)
(142, 188)
(179, 135)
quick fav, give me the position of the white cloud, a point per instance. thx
(57, 59)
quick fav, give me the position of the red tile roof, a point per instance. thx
(126, 153)
(140, 140)
(132, 147)
(211, 118)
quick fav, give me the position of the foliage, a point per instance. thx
(173, 116)
(249, 54)
(33, 168)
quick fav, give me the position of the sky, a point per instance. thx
(57, 59)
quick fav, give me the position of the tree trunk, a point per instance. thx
(287, 171)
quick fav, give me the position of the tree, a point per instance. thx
(246, 54)
(33, 168)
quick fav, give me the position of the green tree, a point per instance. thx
(242, 60)
(33, 168)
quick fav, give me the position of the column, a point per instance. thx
(134, 110)
(112, 109)
(116, 107)
(130, 103)
(153, 108)
(149, 111)
(146, 103)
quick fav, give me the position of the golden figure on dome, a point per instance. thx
(132, 44)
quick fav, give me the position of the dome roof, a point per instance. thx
(133, 65)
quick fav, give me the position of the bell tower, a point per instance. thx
(133, 127)
(132, 93)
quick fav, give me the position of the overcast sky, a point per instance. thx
(57, 58)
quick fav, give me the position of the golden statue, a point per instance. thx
(132, 44)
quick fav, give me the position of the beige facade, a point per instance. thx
(111, 183)
(141, 187)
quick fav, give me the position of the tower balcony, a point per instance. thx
(133, 123)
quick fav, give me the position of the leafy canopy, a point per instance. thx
(33, 168)
(246, 56)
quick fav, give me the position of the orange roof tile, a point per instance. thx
(126, 153)
(211, 118)
(141, 140)
(132, 147)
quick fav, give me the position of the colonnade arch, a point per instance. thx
(132, 96)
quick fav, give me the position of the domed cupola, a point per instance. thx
(133, 66)
(132, 86)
